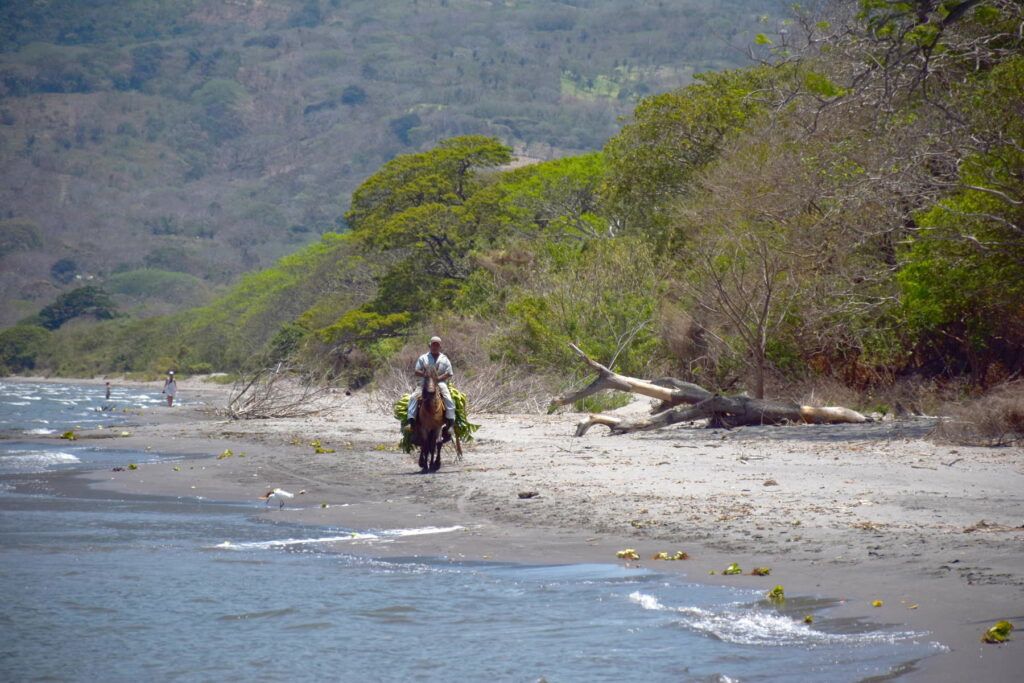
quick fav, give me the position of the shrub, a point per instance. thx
(20, 346)
(996, 419)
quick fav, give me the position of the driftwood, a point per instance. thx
(685, 402)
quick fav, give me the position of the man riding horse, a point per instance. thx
(434, 358)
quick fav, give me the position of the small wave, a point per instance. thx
(40, 431)
(271, 613)
(748, 626)
(384, 536)
(312, 626)
(35, 461)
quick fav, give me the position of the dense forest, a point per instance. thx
(845, 215)
(160, 148)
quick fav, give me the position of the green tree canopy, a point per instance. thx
(89, 300)
(20, 346)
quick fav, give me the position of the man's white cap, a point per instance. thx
(170, 372)
(435, 339)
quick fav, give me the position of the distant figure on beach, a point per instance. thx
(108, 391)
(170, 388)
(434, 357)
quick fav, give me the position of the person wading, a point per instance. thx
(170, 387)
(435, 358)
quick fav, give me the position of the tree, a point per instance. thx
(444, 176)
(87, 300)
(655, 158)
(19, 234)
(414, 210)
(64, 270)
(20, 346)
(561, 198)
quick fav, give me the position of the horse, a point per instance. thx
(429, 423)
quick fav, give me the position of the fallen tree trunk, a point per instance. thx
(698, 403)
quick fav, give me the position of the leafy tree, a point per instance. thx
(20, 346)
(561, 198)
(87, 300)
(353, 94)
(401, 126)
(601, 294)
(655, 158)
(445, 175)
(221, 101)
(64, 270)
(19, 234)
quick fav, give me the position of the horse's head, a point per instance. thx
(429, 385)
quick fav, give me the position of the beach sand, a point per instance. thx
(862, 513)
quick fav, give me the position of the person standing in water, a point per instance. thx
(170, 388)
(108, 391)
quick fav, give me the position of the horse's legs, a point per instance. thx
(435, 463)
(424, 458)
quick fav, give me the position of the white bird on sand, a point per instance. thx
(277, 494)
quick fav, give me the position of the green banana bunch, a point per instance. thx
(463, 427)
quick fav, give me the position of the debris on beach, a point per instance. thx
(999, 633)
(226, 454)
(984, 525)
(627, 554)
(528, 494)
(680, 555)
(776, 594)
(69, 435)
(761, 571)
(877, 603)
(733, 568)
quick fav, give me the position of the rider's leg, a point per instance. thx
(414, 399)
(449, 404)
(449, 410)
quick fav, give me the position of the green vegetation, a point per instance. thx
(212, 139)
(20, 346)
(849, 213)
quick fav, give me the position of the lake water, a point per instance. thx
(102, 586)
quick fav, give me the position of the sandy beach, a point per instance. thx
(864, 513)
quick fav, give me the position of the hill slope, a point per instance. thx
(210, 137)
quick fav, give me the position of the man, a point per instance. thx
(435, 358)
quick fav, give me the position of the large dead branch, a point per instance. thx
(697, 404)
(273, 393)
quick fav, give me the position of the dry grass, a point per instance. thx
(995, 419)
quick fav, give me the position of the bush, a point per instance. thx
(20, 346)
(996, 419)
(19, 235)
(160, 284)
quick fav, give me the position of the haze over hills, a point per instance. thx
(163, 148)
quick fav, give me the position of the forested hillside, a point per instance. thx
(847, 216)
(160, 148)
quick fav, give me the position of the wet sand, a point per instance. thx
(863, 513)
